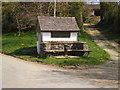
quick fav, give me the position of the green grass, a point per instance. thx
(18, 45)
(92, 19)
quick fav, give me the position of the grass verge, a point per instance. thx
(24, 47)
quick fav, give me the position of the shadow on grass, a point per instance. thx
(30, 51)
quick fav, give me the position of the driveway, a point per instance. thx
(18, 73)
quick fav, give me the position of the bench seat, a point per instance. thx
(86, 52)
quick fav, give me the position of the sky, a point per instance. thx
(93, 2)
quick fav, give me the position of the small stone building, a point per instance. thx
(53, 33)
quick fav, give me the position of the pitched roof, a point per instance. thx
(57, 23)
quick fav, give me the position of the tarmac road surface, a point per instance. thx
(22, 74)
(17, 73)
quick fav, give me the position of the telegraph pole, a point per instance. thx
(55, 8)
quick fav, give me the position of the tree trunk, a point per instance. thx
(19, 30)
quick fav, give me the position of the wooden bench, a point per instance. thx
(66, 47)
(86, 52)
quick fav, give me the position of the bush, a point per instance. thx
(92, 19)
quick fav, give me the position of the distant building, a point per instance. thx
(93, 2)
(95, 9)
(118, 2)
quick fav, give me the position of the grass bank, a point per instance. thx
(24, 46)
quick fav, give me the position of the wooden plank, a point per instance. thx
(67, 50)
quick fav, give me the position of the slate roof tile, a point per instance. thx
(57, 23)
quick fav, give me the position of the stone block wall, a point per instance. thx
(46, 46)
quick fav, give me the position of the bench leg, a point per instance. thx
(66, 53)
(87, 54)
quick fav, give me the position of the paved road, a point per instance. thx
(18, 73)
(22, 74)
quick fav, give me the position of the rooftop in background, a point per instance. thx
(57, 23)
(93, 6)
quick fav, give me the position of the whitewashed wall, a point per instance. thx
(38, 42)
(93, 13)
(46, 36)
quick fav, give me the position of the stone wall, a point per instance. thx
(47, 46)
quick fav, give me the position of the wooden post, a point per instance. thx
(65, 50)
(55, 8)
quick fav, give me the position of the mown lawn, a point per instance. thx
(24, 46)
